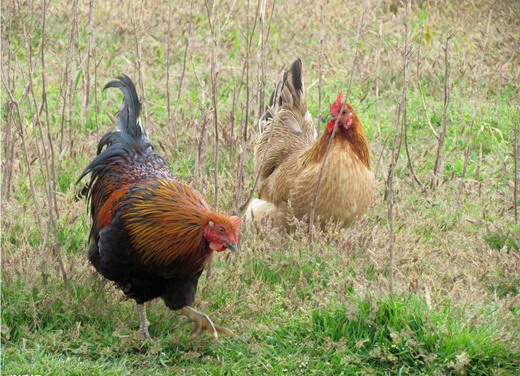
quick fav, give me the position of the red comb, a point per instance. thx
(236, 221)
(340, 98)
(336, 106)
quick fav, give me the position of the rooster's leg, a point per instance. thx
(143, 322)
(203, 322)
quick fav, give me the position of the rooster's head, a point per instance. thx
(347, 119)
(222, 232)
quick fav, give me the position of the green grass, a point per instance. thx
(366, 335)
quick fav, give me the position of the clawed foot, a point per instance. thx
(144, 324)
(203, 322)
(143, 333)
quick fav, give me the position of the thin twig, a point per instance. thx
(214, 91)
(439, 165)
(9, 131)
(322, 168)
(403, 95)
(397, 140)
(423, 101)
(168, 60)
(389, 195)
(53, 204)
(15, 105)
(467, 150)
(477, 71)
(516, 156)
(260, 71)
(245, 124)
(138, 60)
(390, 190)
(66, 87)
(320, 69)
(86, 103)
(378, 79)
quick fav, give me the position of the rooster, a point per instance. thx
(151, 234)
(289, 157)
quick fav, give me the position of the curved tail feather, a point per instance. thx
(128, 120)
(130, 136)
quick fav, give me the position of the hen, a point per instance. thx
(289, 156)
(151, 234)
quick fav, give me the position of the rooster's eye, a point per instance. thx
(221, 230)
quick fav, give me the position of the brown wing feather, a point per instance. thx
(165, 220)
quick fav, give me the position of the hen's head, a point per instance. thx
(347, 119)
(221, 232)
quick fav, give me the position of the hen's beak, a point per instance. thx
(232, 247)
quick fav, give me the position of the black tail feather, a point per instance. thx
(295, 74)
(108, 139)
(131, 135)
(128, 118)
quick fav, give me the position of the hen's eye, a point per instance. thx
(221, 230)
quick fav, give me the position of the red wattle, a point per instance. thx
(216, 246)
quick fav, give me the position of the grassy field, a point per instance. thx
(296, 308)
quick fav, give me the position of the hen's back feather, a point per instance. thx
(286, 125)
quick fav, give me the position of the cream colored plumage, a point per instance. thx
(289, 156)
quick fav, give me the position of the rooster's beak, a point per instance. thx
(232, 247)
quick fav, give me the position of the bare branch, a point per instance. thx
(186, 49)
(138, 60)
(439, 165)
(214, 94)
(404, 100)
(516, 156)
(423, 101)
(378, 78)
(320, 69)
(169, 36)
(67, 86)
(389, 196)
(478, 70)
(249, 38)
(86, 103)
